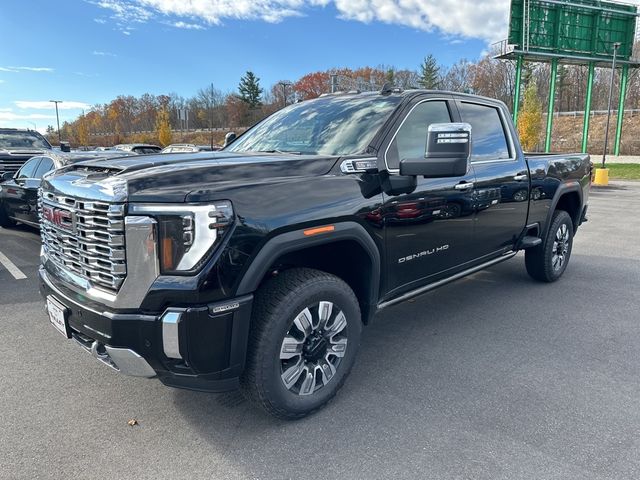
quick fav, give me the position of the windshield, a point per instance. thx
(324, 126)
(22, 140)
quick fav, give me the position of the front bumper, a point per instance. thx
(194, 347)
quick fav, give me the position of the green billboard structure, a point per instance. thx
(579, 32)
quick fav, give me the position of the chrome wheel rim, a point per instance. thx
(560, 247)
(313, 348)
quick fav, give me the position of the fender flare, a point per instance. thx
(296, 240)
(563, 189)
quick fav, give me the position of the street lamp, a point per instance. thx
(57, 118)
(616, 46)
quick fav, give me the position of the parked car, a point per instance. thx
(138, 148)
(258, 266)
(188, 148)
(19, 145)
(19, 191)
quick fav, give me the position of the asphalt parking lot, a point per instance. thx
(492, 377)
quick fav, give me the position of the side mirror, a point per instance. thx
(6, 176)
(447, 155)
(229, 138)
(65, 147)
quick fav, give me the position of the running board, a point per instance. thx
(440, 283)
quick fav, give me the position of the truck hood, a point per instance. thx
(183, 177)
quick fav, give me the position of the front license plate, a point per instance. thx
(57, 316)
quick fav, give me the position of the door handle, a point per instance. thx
(520, 178)
(464, 186)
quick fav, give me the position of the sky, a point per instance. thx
(86, 52)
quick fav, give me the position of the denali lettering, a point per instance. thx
(425, 253)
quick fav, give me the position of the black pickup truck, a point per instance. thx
(258, 266)
(19, 145)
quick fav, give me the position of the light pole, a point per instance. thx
(616, 46)
(284, 86)
(57, 118)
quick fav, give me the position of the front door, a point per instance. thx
(429, 230)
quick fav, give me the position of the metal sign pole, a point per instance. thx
(516, 93)
(587, 108)
(623, 93)
(552, 101)
(606, 130)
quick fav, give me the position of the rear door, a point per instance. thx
(429, 230)
(502, 180)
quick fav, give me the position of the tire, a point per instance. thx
(548, 261)
(5, 221)
(288, 343)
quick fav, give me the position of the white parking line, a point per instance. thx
(13, 270)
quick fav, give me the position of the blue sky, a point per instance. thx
(88, 52)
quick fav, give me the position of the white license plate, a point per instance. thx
(56, 316)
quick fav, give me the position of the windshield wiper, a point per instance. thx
(278, 151)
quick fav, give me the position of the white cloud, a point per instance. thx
(26, 69)
(11, 116)
(486, 19)
(103, 54)
(101, 21)
(46, 105)
(187, 26)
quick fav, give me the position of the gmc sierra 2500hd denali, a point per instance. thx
(257, 266)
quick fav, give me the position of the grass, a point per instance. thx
(624, 171)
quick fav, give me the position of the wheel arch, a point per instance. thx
(568, 197)
(348, 252)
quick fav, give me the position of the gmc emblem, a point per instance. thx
(63, 219)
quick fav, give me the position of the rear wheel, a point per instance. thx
(306, 327)
(5, 221)
(548, 261)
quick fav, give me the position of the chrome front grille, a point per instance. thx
(85, 237)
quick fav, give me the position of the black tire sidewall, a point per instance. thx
(269, 355)
(560, 218)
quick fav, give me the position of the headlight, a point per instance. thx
(187, 233)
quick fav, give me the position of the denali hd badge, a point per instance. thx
(423, 254)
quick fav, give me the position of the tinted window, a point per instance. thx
(487, 132)
(28, 169)
(22, 140)
(411, 140)
(334, 125)
(46, 165)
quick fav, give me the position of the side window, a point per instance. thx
(411, 139)
(487, 132)
(28, 169)
(46, 165)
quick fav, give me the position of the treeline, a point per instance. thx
(162, 118)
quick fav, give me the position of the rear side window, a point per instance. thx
(487, 132)
(29, 169)
(411, 139)
(46, 165)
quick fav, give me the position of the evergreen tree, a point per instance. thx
(429, 73)
(250, 91)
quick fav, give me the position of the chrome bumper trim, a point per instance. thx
(170, 333)
(121, 360)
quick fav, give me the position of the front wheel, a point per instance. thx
(5, 221)
(548, 261)
(305, 333)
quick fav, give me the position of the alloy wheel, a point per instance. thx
(313, 347)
